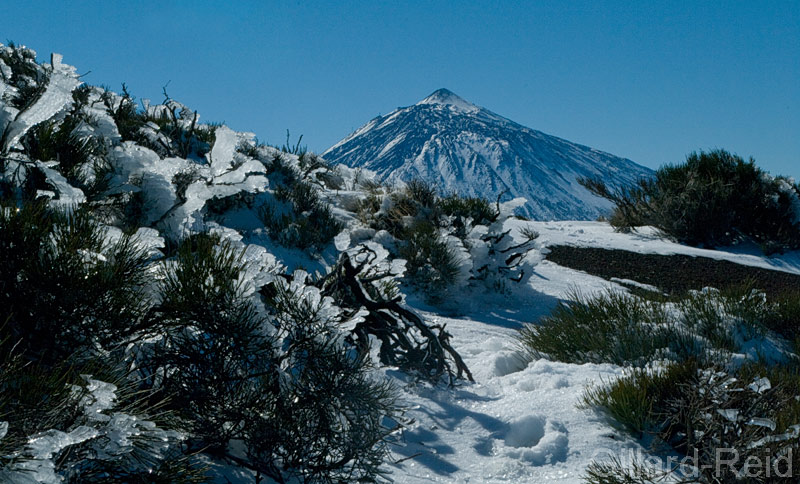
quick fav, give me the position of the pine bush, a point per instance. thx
(64, 289)
(714, 198)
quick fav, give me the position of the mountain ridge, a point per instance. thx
(461, 147)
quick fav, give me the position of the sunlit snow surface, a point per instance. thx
(521, 422)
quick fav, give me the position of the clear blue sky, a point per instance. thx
(650, 81)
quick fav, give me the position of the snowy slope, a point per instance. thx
(462, 147)
(522, 421)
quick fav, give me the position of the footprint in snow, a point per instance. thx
(508, 362)
(536, 440)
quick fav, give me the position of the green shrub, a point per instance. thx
(633, 400)
(696, 400)
(701, 412)
(476, 209)
(714, 198)
(430, 263)
(612, 327)
(303, 220)
(784, 315)
(63, 289)
(623, 329)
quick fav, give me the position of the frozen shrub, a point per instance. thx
(170, 128)
(328, 419)
(706, 414)
(214, 355)
(60, 424)
(24, 75)
(300, 218)
(64, 289)
(449, 241)
(280, 378)
(714, 198)
(80, 158)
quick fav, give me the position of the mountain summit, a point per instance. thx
(449, 98)
(468, 149)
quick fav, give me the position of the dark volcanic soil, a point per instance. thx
(673, 274)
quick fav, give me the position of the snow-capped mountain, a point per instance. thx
(468, 149)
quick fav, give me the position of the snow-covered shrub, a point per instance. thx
(20, 71)
(329, 416)
(170, 129)
(59, 424)
(714, 198)
(449, 241)
(720, 420)
(64, 288)
(280, 378)
(81, 159)
(214, 355)
(299, 218)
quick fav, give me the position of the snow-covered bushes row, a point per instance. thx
(191, 336)
(714, 198)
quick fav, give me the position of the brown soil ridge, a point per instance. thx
(673, 274)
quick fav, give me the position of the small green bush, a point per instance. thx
(700, 412)
(430, 263)
(633, 400)
(714, 198)
(303, 220)
(63, 289)
(609, 328)
(476, 209)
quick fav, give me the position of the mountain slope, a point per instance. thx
(462, 147)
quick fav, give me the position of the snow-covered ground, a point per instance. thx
(520, 421)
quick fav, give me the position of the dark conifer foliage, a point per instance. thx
(714, 198)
